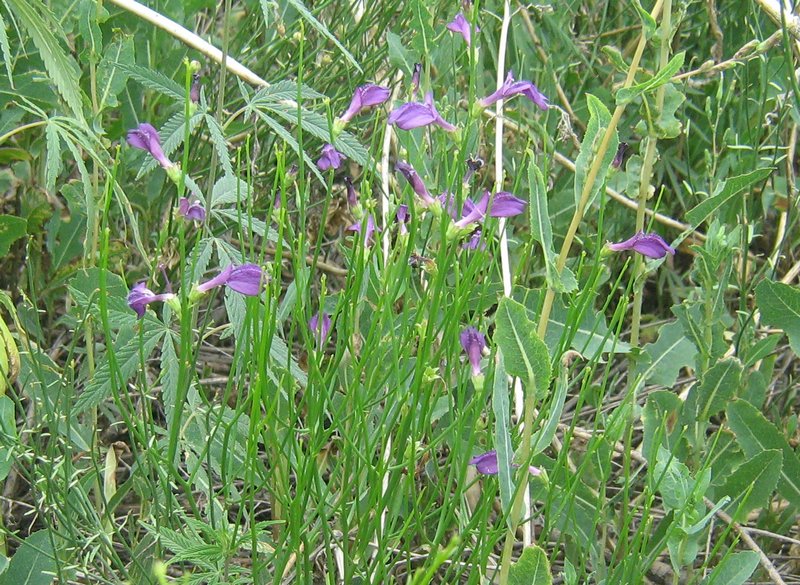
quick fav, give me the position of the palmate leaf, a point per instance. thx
(46, 34)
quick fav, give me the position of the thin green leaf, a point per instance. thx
(323, 30)
(628, 94)
(727, 190)
(502, 433)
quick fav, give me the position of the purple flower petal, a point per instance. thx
(475, 241)
(246, 279)
(192, 211)
(416, 115)
(364, 97)
(416, 182)
(145, 137)
(330, 159)
(650, 245)
(474, 212)
(511, 88)
(415, 79)
(473, 343)
(320, 327)
(461, 26)
(369, 229)
(140, 296)
(504, 204)
(488, 465)
(403, 218)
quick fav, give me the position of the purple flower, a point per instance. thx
(364, 97)
(403, 217)
(141, 296)
(619, 158)
(416, 115)
(415, 79)
(460, 25)
(487, 464)
(145, 137)
(320, 327)
(368, 230)
(473, 343)
(194, 211)
(650, 245)
(352, 196)
(475, 241)
(194, 91)
(511, 88)
(330, 159)
(416, 182)
(503, 204)
(245, 279)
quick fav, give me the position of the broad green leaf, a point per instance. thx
(34, 563)
(661, 361)
(648, 22)
(46, 33)
(12, 228)
(761, 473)
(780, 307)
(422, 41)
(502, 433)
(667, 125)
(661, 420)
(398, 55)
(8, 442)
(672, 480)
(111, 79)
(532, 568)
(323, 30)
(599, 121)
(718, 387)
(756, 434)
(735, 569)
(525, 354)
(628, 94)
(726, 191)
(538, 212)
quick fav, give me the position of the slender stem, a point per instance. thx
(590, 180)
(22, 128)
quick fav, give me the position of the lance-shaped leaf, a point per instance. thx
(599, 121)
(525, 354)
(780, 307)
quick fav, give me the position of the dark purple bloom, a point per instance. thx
(364, 97)
(475, 241)
(416, 182)
(511, 88)
(620, 156)
(403, 218)
(461, 26)
(503, 204)
(415, 79)
(416, 115)
(352, 196)
(194, 91)
(320, 327)
(487, 464)
(330, 159)
(194, 211)
(141, 296)
(145, 137)
(473, 343)
(473, 212)
(650, 245)
(368, 230)
(246, 279)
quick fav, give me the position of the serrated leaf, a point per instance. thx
(323, 30)
(725, 192)
(661, 361)
(532, 568)
(627, 94)
(128, 354)
(762, 473)
(6, 50)
(756, 434)
(502, 433)
(47, 35)
(53, 163)
(780, 307)
(599, 121)
(526, 355)
(220, 144)
(12, 228)
(735, 569)
(156, 81)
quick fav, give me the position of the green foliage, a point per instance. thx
(532, 568)
(599, 121)
(780, 307)
(34, 562)
(660, 362)
(525, 354)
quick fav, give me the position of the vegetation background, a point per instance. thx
(219, 439)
